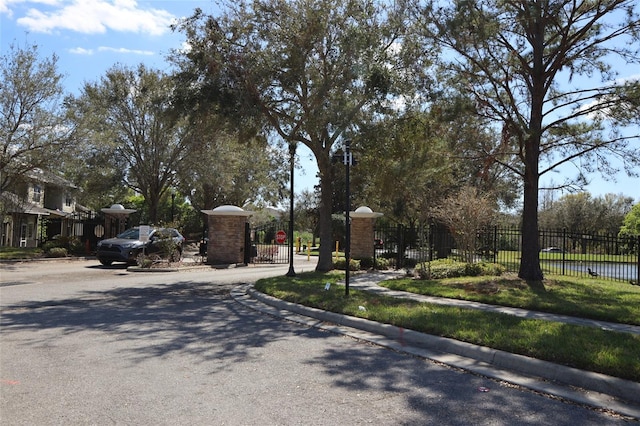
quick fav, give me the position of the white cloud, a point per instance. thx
(629, 78)
(97, 16)
(88, 52)
(81, 51)
(125, 50)
(4, 8)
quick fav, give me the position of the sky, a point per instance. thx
(90, 36)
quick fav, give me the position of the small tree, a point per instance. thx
(521, 61)
(465, 214)
(33, 130)
(631, 223)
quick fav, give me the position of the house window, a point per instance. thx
(68, 201)
(37, 191)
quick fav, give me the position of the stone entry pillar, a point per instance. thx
(362, 232)
(226, 235)
(115, 220)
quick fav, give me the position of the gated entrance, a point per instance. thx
(266, 245)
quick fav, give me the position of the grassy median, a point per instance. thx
(586, 348)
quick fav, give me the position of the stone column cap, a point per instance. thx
(117, 209)
(227, 210)
(365, 212)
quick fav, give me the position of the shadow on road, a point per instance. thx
(201, 321)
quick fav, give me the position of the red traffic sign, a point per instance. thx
(281, 237)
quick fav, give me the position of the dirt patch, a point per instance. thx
(493, 285)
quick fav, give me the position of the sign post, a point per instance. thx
(143, 234)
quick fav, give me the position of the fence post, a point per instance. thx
(399, 246)
(495, 244)
(564, 249)
(638, 261)
(431, 242)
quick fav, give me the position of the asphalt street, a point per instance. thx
(86, 344)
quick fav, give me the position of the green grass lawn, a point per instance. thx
(581, 297)
(8, 253)
(586, 348)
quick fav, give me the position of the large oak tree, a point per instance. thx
(542, 71)
(128, 119)
(310, 68)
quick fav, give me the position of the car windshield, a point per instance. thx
(130, 234)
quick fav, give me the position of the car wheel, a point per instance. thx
(106, 262)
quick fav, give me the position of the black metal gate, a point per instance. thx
(265, 245)
(408, 245)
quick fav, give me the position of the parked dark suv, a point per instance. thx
(127, 246)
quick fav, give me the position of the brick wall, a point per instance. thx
(226, 239)
(362, 235)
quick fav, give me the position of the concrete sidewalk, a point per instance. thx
(369, 282)
(583, 387)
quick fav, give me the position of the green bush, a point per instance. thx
(341, 263)
(492, 268)
(144, 261)
(57, 252)
(447, 268)
(70, 244)
(410, 263)
(366, 263)
(388, 255)
(48, 245)
(382, 264)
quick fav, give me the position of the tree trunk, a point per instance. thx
(153, 210)
(530, 262)
(325, 262)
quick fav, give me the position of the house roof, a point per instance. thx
(14, 204)
(50, 178)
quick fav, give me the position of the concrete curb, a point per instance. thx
(583, 387)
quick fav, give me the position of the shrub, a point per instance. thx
(492, 268)
(341, 263)
(144, 261)
(382, 263)
(379, 263)
(48, 245)
(410, 263)
(57, 252)
(446, 268)
(366, 263)
(70, 244)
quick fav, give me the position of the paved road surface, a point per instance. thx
(84, 344)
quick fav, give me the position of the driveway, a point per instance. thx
(83, 344)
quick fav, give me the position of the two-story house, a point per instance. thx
(41, 206)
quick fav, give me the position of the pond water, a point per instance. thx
(621, 271)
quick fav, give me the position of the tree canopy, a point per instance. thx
(129, 112)
(33, 128)
(582, 212)
(631, 222)
(312, 69)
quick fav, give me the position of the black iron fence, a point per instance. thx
(84, 228)
(267, 245)
(562, 252)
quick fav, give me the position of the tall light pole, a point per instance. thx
(292, 158)
(173, 203)
(348, 162)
